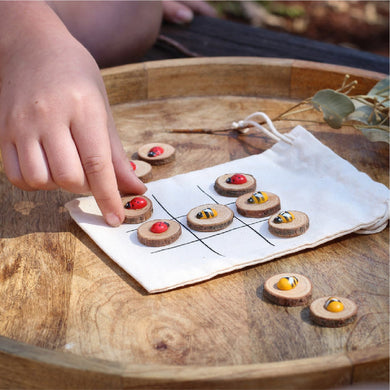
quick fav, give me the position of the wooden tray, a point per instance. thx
(71, 318)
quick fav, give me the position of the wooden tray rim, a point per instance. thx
(137, 82)
(26, 360)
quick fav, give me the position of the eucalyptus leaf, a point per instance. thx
(375, 134)
(366, 115)
(381, 91)
(334, 105)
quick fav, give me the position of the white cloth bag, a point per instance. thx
(305, 174)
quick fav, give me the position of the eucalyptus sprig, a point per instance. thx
(369, 113)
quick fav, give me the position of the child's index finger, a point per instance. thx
(91, 137)
(102, 182)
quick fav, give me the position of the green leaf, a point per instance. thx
(366, 114)
(381, 91)
(335, 106)
(362, 113)
(375, 134)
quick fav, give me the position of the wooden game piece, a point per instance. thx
(158, 232)
(209, 217)
(137, 208)
(235, 184)
(142, 169)
(157, 153)
(290, 223)
(258, 205)
(344, 311)
(276, 289)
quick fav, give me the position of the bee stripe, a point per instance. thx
(330, 300)
(287, 217)
(258, 197)
(284, 217)
(209, 213)
(292, 280)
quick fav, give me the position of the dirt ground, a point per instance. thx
(362, 25)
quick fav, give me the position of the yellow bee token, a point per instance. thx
(288, 289)
(333, 312)
(289, 223)
(259, 204)
(334, 305)
(209, 217)
(287, 283)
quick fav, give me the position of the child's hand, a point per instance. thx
(56, 128)
(183, 11)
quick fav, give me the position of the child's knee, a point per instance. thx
(114, 32)
(141, 30)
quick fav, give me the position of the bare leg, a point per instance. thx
(115, 32)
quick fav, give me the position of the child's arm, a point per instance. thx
(56, 128)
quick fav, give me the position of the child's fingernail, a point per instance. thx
(113, 220)
(183, 15)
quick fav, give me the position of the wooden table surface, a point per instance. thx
(72, 318)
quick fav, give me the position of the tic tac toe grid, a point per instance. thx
(306, 175)
(241, 225)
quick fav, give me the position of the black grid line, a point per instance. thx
(207, 194)
(201, 240)
(185, 227)
(248, 225)
(238, 219)
(220, 233)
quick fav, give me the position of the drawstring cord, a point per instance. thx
(273, 133)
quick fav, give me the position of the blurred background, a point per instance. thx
(362, 25)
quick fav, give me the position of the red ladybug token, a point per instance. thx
(155, 151)
(136, 203)
(238, 178)
(158, 232)
(159, 227)
(236, 184)
(142, 169)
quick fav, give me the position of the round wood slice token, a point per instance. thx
(142, 169)
(138, 208)
(157, 153)
(158, 232)
(209, 217)
(235, 184)
(289, 226)
(322, 316)
(248, 206)
(296, 296)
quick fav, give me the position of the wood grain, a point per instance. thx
(71, 314)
